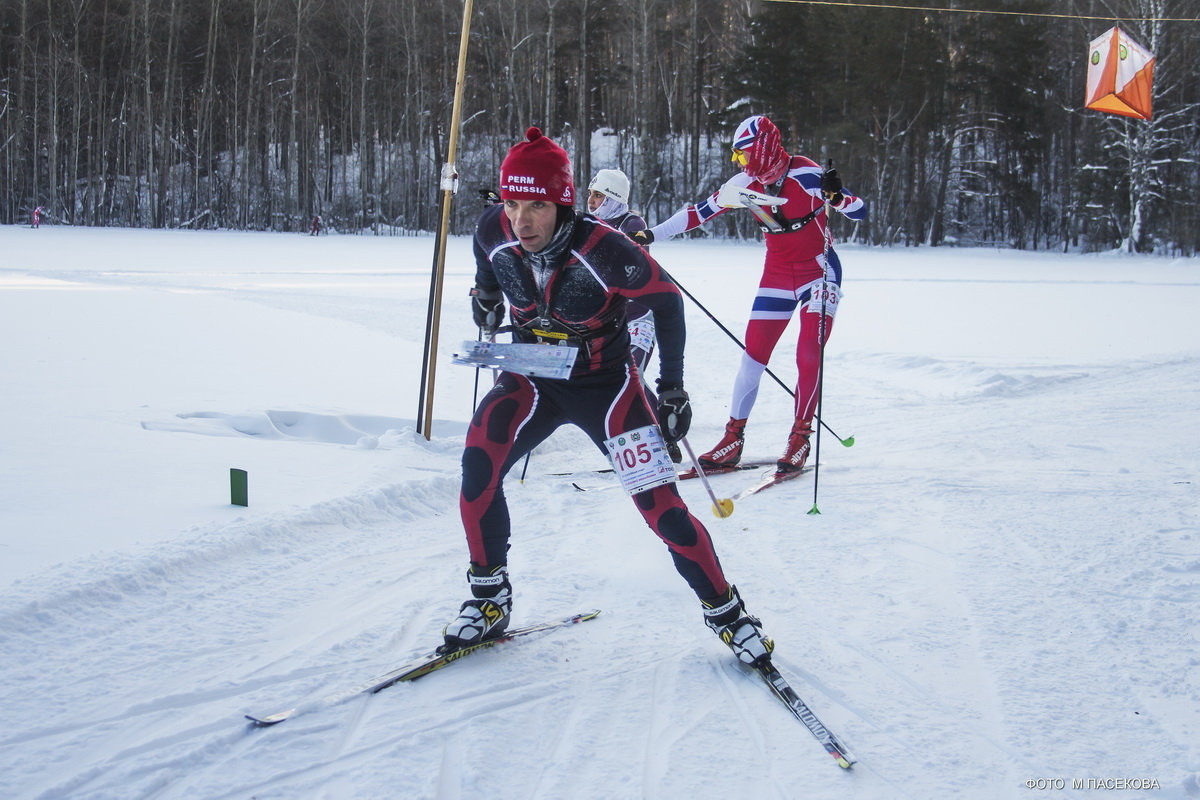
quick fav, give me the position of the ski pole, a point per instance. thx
(820, 386)
(847, 442)
(475, 393)
(720, 508)
(821, 357)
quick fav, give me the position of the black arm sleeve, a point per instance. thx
(652, 287)
(485, 278)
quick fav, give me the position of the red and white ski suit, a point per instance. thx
(798, 264)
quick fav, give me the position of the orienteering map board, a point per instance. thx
(534, 360)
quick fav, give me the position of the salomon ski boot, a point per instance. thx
(728, 451)
(486, 615)
(727, 616)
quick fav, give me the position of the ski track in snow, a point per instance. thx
(1003, 586)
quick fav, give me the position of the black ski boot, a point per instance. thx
(727, 616)
(486, 615)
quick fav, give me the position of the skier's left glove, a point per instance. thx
(674, 411)
(487, 306)
(831, 187)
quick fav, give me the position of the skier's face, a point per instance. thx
(595, 199)
(533, 221)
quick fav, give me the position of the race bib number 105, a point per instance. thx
(640, 459)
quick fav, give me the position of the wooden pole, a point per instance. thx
(449, 186)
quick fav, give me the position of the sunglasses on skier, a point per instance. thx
(740, 157)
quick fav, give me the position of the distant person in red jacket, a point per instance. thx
(37, 216)
(314, 229)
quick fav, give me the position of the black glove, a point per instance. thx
(674, 411)
(487, 306)
(831, 187)
(644, 238)
(489, 197)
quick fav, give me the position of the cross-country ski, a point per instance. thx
(419, 667)
(711, 472)
(771, 479)
(783, 690)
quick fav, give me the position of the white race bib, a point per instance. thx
(824, 297)
(641, 332)
(640, 459)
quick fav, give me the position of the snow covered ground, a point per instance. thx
(1002, 588)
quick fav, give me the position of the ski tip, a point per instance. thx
(844, 762)
(266, 722)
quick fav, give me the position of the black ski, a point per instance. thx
(417, 668)
(787, 695)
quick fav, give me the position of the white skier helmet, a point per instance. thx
(611, 183)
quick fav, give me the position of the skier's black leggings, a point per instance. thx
(519, 413)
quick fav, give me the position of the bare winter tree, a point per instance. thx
(959, 128)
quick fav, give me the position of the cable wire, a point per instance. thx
(984, 11)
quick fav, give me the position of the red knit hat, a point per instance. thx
(537, 169)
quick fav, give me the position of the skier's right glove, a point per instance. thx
(644, 238)
(674, 411)
(487, 306)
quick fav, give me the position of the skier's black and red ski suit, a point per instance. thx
(579, 284)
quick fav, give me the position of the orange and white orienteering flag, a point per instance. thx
(1120, 75)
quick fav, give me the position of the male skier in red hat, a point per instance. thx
(567, 278)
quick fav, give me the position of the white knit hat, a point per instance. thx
(611, 183)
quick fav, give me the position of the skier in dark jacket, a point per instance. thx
(567, 278)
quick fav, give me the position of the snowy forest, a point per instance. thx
(959, 126)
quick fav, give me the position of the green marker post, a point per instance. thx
(239, 493)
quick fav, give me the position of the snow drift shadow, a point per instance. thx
(360, 430)
(946, 379)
